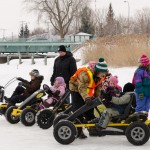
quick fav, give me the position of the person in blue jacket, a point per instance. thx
(142, 85)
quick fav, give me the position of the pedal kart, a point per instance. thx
(26, 111)
(45, 117)
(134, 127)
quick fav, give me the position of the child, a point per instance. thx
(114, 87)
(55, 92)
(141, 81)
(25, 88)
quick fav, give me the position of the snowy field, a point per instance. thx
(19, 137)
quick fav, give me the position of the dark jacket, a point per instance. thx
(64, 66)
(32, 86)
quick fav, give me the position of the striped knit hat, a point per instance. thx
(101, 66)
(144, 60)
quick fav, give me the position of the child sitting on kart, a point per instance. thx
(110, 85)
(25, 88)
(114, 106)
(55, 93)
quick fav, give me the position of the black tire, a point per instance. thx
(11, 119)
(79, 129)
(59, 117)
(27, 117)
(45, 118)
(137, 133)
(65, 132)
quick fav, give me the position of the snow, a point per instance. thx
(19, 137)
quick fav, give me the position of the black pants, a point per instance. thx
(77, 102)
(18, 95)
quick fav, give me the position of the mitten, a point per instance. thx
(20, 79)
(141, 96)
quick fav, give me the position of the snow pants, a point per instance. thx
(142, 104)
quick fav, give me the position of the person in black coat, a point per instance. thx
(64, 66)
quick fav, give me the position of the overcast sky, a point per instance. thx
(12, 12)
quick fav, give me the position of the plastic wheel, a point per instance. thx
(59, 117)
(44, 118)
(137, 133)
(65, 132)
(27, 117)
(11, 119)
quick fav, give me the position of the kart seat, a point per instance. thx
(130, 109)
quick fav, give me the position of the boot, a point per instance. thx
(82, 135)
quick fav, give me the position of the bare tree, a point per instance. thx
(59, 12)
(38, 30)
(142, 21)
(100, 21)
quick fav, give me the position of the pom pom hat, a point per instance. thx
(144, 60)
(101, 66)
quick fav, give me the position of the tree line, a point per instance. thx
(73, 16)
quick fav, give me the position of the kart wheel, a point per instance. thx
(65, 132)
(11, 119)
(79, 129)
(28, 117)
(59, 117)
(45, 118)
(137, 133)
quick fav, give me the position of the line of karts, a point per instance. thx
(66, 125)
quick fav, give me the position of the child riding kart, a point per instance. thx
(23, 90)
(136, 130)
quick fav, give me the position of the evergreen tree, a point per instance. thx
(110, 27)
(26, 31)
(86, 21)
(21, 34)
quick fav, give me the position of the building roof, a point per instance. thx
(83, 34)
(80, 34)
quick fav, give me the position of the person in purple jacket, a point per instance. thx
(141, 81)
(55, 93)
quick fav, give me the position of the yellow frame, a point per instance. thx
(147, 122)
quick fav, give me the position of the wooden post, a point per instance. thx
(45, 60)
(32, 59)
(20, 58)
(8, 59)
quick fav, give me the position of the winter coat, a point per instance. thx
(142, 81)
(64, 66)
(81, 85)
(57, 92)
(60, 88)
(120, 103)
(32, 86)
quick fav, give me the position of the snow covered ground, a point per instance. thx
(19, 137)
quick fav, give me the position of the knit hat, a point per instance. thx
(62, 48)
(101, 66)
(114, 79)
(61, 81)
(35, 73)
(144, 60)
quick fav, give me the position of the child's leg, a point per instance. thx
(140, 104)
(106, 115)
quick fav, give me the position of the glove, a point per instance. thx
(56, 93)
(20, 79)
(89, 101)
(20, 84)
(141, 96)
(106, 96)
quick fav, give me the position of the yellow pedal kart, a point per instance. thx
(26, 111)
(134, 127)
